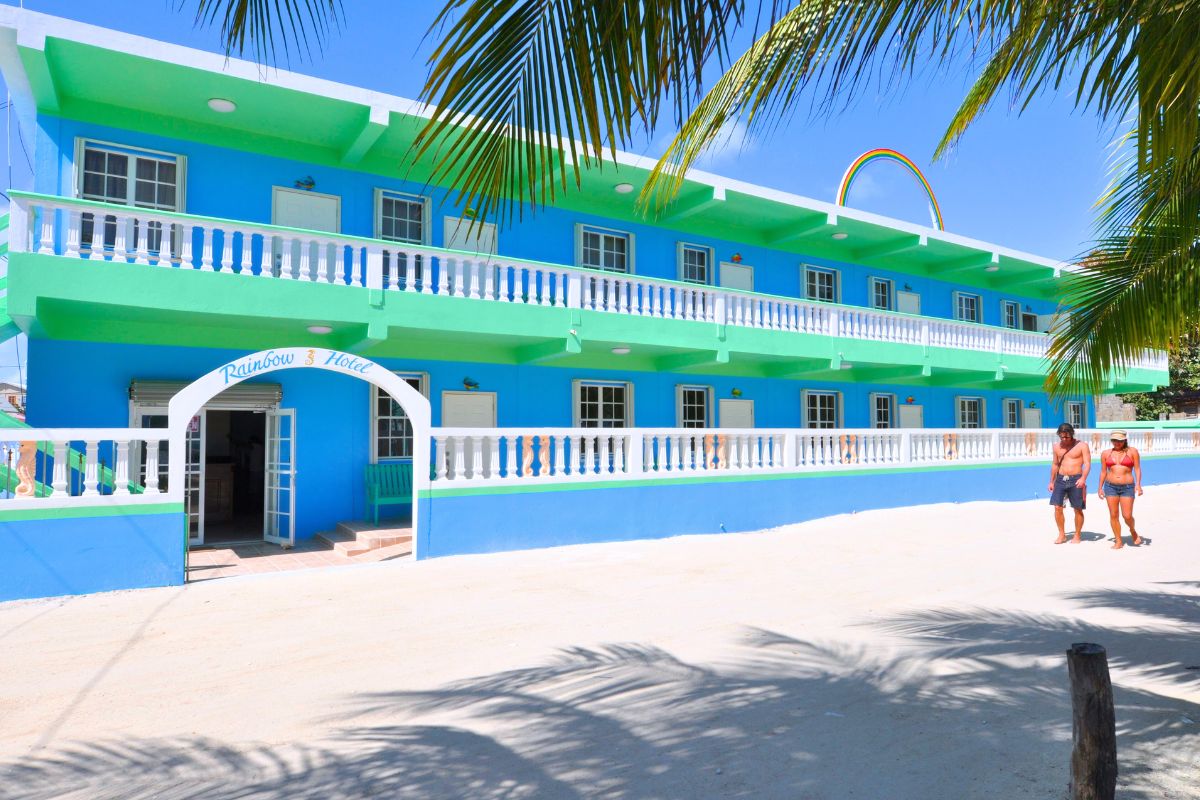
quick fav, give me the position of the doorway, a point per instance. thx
(234, 475)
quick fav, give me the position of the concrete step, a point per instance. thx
(387, 553)
(357, 527)
(343, 543)
(355, 538)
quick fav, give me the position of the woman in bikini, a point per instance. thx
(1120, 481)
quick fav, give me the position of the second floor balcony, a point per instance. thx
(172, 275)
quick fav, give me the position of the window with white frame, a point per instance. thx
(401, 217)
(821, 409)
(601, 248)
(1012, 412)
(695, 263)
(968, 307)
(970, 412)
(821, 283)
(111, 173)
(883, 410)
(883, 294)
(603, 404)
(392, 433)
(1076, 414)
(692, 405)
(1010, 314)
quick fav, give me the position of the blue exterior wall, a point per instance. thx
(333, 411)
(82, 554)
(234, 184)
(493, 522)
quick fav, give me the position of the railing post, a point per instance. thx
(995, 454)
(906, 446)
(18, 222)
(789, 450)
(835, 322)
(91, 469)
(635, 462)
(719, 308)
(925, 333)
(574, 290)
(374, 267)
(59, 484)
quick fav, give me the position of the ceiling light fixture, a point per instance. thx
(623, 188)
(320, 330)
(992, 268)
(839, 236)
(620, 351)
(221, 105)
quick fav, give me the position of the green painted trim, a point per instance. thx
(86, 512)
(469, 491)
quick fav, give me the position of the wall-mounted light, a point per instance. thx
(306, 183)
(907, 288)
(736, 258)
(470, 385)
(1027, 308)
(735, 392)
(910, 400)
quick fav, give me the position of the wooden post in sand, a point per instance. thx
(1093, 724)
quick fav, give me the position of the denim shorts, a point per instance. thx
(1065, 489)
(1119, 489)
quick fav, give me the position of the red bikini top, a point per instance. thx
(1127, 461)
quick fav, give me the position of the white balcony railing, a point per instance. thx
(494, 456)
(60, 467)
(91, 231)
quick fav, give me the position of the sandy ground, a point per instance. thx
(916, 653)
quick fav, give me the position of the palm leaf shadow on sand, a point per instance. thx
(955, 703)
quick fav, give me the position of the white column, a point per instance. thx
(458, 445)
(185, 247)
(96, 247)
(510, 456)
(285, 258)
(305, 260)
(121, 241)
(476, 457)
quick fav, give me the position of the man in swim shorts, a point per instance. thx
(1069, 467)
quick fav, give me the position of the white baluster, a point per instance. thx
(459, 446)
(306, 260)
(493, 470)
(589, 464)
(151, 467)
(46, 237)
(510, 456)
(185, 247)
(121, 468)
(503, 290)
(476, 457)
(96, 247)
(206, 247)
(439, 458)
(74, 230)
(59, 484)
(91, 470)
(121, 240)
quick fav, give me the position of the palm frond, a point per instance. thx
(262, 25)
(1139, 286)
(526, 91)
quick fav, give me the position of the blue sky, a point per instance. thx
(1026, 182)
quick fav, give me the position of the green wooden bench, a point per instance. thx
(388, 484)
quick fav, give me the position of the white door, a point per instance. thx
(736, 276)
(193, 478)
(735, 413)
(1031, 418)
(310, 211)
(279, 505)
(911, 416)
(1045, 322)
(908, 302)
(470, 236)
(468, 409)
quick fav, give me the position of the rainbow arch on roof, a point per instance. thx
(887, 154)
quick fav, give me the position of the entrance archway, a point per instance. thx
(192, 398)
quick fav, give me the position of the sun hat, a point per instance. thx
(1118, 436)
